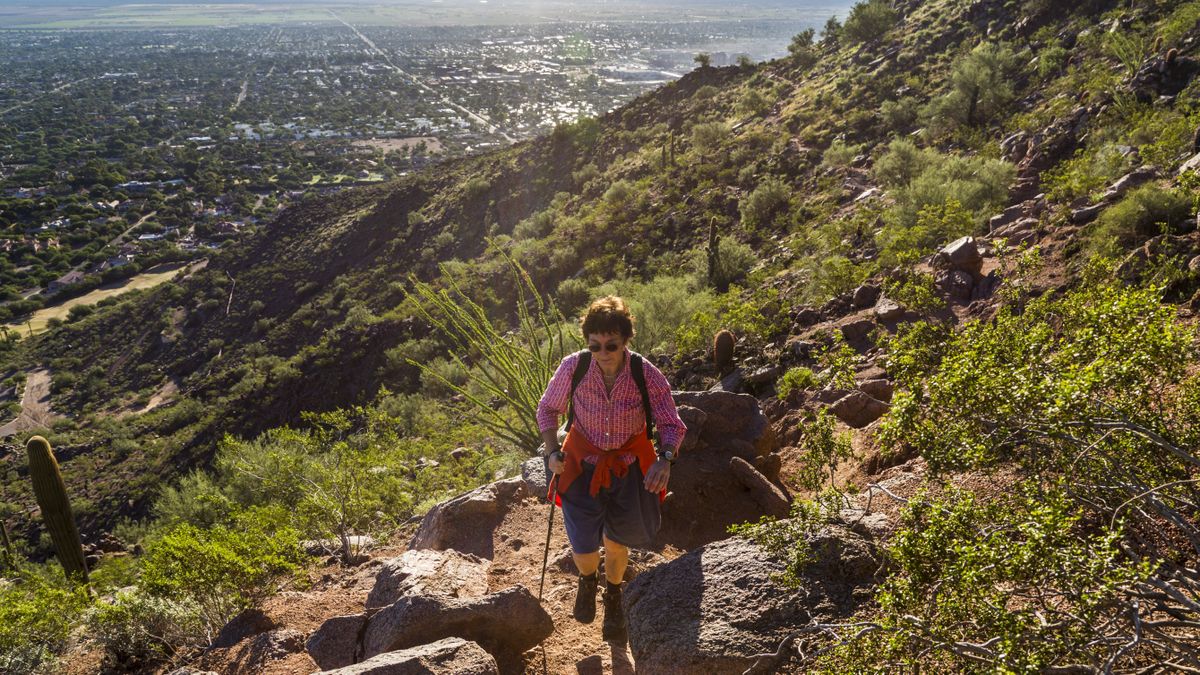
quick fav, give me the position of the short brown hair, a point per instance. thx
(607, 315)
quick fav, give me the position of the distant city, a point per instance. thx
(127, 148)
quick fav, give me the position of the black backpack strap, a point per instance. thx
(581, 369)
(638, 369)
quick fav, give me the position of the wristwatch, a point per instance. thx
(668, 455)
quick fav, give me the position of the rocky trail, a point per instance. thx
(461, 594)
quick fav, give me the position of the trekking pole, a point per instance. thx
(549, 529)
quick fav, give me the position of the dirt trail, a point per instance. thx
(35, 405)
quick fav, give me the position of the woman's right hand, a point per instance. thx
(556, 462)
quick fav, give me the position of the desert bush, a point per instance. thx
(661, 307)
(921, 178)
(768, 199)
(222, 570)
(573, 294)
(752, 102)
(841, 153)
(869, 20)
(708, 137)
(1143, 213)
(901, 114)
(733, 261)
(802, 50)
(1085, 174)
(1084, 410)
(138, 630)
(512, 367)
(980, 88)
(936, 224)
(536, 226)
(37, 611)
(795, 379)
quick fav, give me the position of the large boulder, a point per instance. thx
(711, 610)
(249, 622)
(466, 523)
(505, 623)
(427, 571)
(451, 656)
(335, 643)
(858, 409)
(960, 254)
(706, 496)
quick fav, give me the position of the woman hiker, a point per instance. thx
(610, 478)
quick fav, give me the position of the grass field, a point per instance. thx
(37, 323)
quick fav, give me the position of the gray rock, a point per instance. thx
(865, 296)
(955, 284)
(533, 472)
(505, 624)
(960, 254)
(888, 310)
(247, 623)
(880, 389)
(858, 334)
(763, 375)
(731, 383)
(772, 500)
(466, 522)
(1193, 164)
(1087, 214)
(858, 409)
(335, 643)
(693, 419)
(424, 572)
(711, 610)
(451, 656)
(1129, 181)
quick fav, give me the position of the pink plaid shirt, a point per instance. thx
(609, 421)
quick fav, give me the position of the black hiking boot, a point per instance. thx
(585, 598)
(613, 629)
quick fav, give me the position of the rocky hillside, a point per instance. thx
(957, 242)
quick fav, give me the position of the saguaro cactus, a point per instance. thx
(51, 494)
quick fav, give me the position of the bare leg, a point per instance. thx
(588, 563)
(616, 557)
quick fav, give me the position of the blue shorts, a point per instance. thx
(625, 512)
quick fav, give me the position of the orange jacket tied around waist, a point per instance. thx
(577, 446)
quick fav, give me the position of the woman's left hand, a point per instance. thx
(658, 475)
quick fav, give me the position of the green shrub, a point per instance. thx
(796, 379)
(138, 630)
(36, 617)
(222, 570)
(980, 88)
(734, 260)
(923, 178)
(840, 153)
(1143, 213)
(767, 200)
(536, 226)
(708, 137)
(869, 21)
(573, 294)
(901, 114)
(661, 307)
(1085, 174)
(936, 225)
(752, 102)
(804, 55)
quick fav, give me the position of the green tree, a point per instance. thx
(981, 87)
(869, 21)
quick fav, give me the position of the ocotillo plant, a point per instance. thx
(51, 494)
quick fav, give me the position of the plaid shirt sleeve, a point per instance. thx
(554, 401)
(671, 429)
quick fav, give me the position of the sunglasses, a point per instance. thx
(610, 347)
